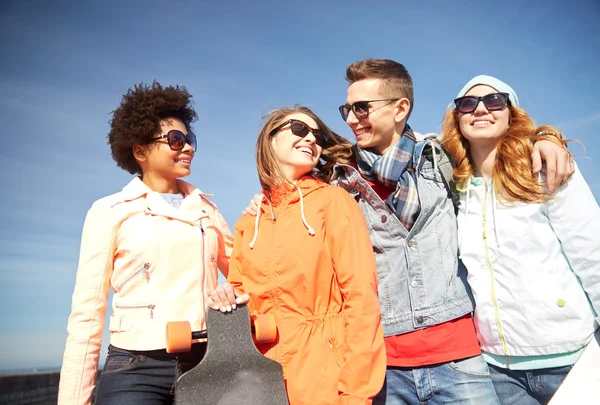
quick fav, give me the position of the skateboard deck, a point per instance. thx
(582, 384)
(233, 371)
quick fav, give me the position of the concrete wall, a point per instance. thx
(37, 388)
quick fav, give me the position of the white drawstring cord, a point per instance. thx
(256, 225)
(311, 231)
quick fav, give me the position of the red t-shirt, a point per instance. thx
(451, 340)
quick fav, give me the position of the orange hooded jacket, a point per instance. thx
(307, 259)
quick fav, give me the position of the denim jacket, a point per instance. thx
(420, 281)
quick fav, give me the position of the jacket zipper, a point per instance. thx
(491, 268)
(271, 277)
(202, 276)
(150, 307)
(145, 270)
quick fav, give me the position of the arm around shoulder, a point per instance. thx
(575, 217)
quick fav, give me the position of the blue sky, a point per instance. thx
(66, 65)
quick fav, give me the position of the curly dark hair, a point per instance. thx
(137, 119)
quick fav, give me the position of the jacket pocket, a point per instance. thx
(474, 366)
(129, 316)
(142, 273)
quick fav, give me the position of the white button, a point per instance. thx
(414, 283)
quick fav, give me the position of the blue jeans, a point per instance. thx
(527, 386)
(143, 377)
(465, 381)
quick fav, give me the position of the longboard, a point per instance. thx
(233, 371)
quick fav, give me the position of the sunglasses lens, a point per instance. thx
(320, 137)
(361, 109)
(494, 102)
(176, 139)
(299, 129)
(344, 111)
(191, 139)
(467, 104)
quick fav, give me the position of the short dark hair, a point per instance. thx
(395, 77)
(138, 119)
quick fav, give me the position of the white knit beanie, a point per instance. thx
(492, 82)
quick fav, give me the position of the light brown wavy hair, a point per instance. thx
(336, 150)
(395, 79)
(513, 177)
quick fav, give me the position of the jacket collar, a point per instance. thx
(136, 189)
(192, 209)
(287, 194)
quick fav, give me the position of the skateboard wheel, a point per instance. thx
(265, 329)
(179, 337)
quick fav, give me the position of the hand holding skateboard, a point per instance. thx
(225, 298)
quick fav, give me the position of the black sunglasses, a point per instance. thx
(177, 139)
(361, 108)
(302, 129)
(493, 102)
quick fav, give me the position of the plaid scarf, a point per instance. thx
(394, 169)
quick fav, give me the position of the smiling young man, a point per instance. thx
(402, 182)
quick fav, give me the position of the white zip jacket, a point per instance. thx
(534, 269)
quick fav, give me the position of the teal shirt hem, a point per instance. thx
(533, 362)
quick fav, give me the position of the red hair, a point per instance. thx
(513, 173)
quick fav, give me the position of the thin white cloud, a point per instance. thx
(580, 122)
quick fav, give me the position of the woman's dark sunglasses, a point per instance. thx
(493, 102)
(302, 129)
(361, 108)
(177, 139)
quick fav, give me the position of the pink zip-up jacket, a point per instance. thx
(160, 261)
